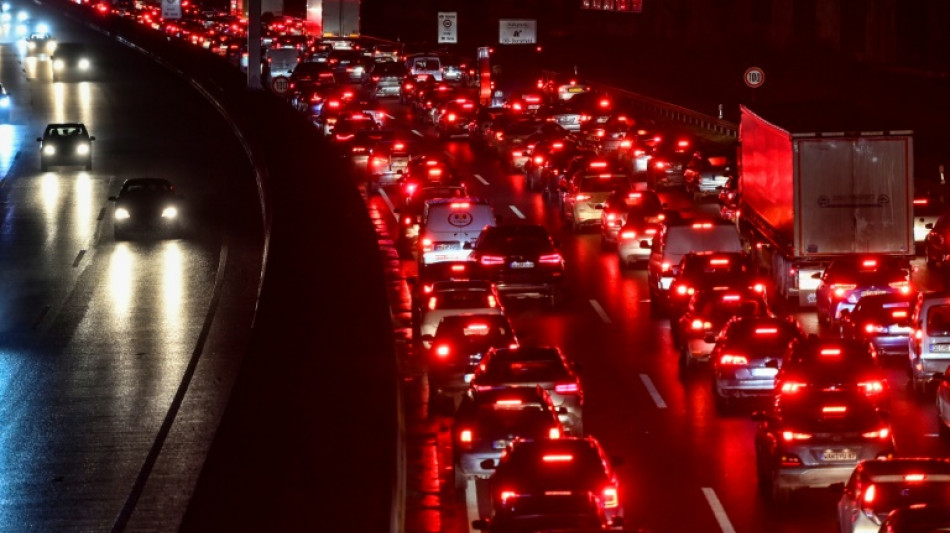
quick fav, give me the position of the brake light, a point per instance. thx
(901, 286)
(792, 387)
(432, 303)
(700, 324)
(451, 117)
(598, 164)
(628, 234)
(435, 172)
(427, 288)
(557, 146)
(557, 458)
(920, 201)
(718, 262)
(580, 197)
(872, 387)
(538, 160)
(702, 225)
(465, 435)
(684, 290)
(550, 259)
(882, 434)
(870, 494)
(492, 302)
(460, 205)
(344, 136)
(517, 153)
(626, 144)
(732, 359)
(834, 409)
(730, 298)
(505, 495)
(789, 436)
(442, 350)
(650, 231)
(492, 260)
(554, 433)
(566, 388)
(759, 288)
(605, 103)
(611, 499)
(869, 263)
(660, 165)
(508, 403)
(459, 268)
(407, 221)
(914, 478)
(873, 328)
(682, 143)
(830, 352)
(399, 146)
(898, 314)
(840, 288)
(333, 104)
(665, 267)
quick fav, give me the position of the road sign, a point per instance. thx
(754, 77)
(171, 9)
(448, 27)
(517, 31)
(280, 84)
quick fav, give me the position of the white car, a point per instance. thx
(450, 298)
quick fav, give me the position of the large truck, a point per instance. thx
(808, 195)
(341, 18)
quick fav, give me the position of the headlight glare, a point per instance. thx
(4, 101)
(49, 149)
(169, 212)
(82, 149)
(121, 213)
(84, 64)
(58, 64)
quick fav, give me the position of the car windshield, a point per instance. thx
(883, 312)
(525, 239)
(597, 183)
(64, 130)
(524, 370)
(145, 187)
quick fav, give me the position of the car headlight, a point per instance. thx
(59, 64)
(49, 149)
(84, 64)
(121, 213)
(169, 212)
(50, 46)
(31, 45)
(4, 101)
(82, 149)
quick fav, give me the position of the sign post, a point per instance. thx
(517, 31)
(171, 9)
(448, 27)
(754, 77)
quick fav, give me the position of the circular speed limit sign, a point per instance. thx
(280, 84)
(754, 77)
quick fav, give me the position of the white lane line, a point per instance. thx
(416, 132)
(471, 503)
(390, 117)
(931, 434)
(448, 154)
(517, 211)
(600, 311)
(651, 388)
(385, 197)
(481, 179)
(718, 510)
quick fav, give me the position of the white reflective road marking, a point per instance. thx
(651, 388)
(390, 117)
(718, 510)
(481, 179)
(931, 434)
(471, 503)
(517, 211)
(600, 311)
(385, 197)
(416, 132)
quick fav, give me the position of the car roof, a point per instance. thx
(902, 465)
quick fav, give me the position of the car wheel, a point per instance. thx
(780, 495)
(460, 480)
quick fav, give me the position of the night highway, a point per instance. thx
(234, 377)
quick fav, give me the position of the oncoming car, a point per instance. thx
(146, 206)
(66, 144)
(40, 44)
(70, 61)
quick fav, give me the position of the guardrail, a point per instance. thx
(666, 110)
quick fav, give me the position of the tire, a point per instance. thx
(460, 480)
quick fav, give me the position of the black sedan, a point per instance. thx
(67, 144)
(71, 61)
(148, 207)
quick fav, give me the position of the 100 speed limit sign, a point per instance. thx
(754, 77)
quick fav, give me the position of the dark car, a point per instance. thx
(832, 364)
(668, 166)
(621, 205)
(66, 144)
(698, 271)
(881, 319)
(696, 330)
(146, 206)
(522, 260)
(71, 61)
(385, 79)
(707, 174)
(849, 279)
(937, 243)
(816, 439)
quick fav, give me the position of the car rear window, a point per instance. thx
(938, 321)
(596, 183)
(462, 299)
(525, 371)
(892, 491)
(685, 239)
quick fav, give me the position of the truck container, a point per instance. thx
(807, 196)
(341, 18)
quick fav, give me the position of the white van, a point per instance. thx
(450, 227)
(929, 343)
(281, 61)
(677, 239)
(421, 66)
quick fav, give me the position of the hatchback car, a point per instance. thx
(488, 420)
(707, 174)
(816, 439)
(551, 467)
(586, 193)
(544, 366)
(65, 144)
(449, 298)
(146, 206)
(521, 260)
(698, 271)
(833, 364)
(695, 332)
(876, 488)
(385, 79)
(748, 355)
(848, 279)
(71, 61)
(623, 205)
(881, 319)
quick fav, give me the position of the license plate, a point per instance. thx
(764, 372)
(445, 246)
(839, 455)
(872, 293)
(522, 264)
(942, 348)
(565, 120)
(575, 90)
(499, 444)
(534, 106)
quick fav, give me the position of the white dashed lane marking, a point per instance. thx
(517, 211)
(481, 179)
(651, 388)
(718, 510)
(600, 311)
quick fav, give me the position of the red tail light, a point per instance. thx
(433, 302)
(628, 234)
(834, 409)
(733, 359)
(566, 388)
(882, 434)
(626, 144)
(792, 387)
(830, 352)
(870, 494)
(505, 495)
(492, 260)
(451, 117)
(840, 288)
(581, 197)
(461, 268)
(407, 221)
(557, 146)
(554, 433)
(557, 458)
(901, 286)
(872, 387)
(517, 153)
(611, 498)
(766, 331)
(538, 160)
(598, 164)
(426, 245)
(492, 302)
(789, 436)
(442, 350)
(550, 259)
(460, 205)
(604, 103)
(660, 165)
(698, 324)
(465, 435)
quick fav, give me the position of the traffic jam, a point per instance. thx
(610, 309)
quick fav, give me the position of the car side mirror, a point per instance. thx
(480, 525)
(487, 464)
(113, 199)
(645, 245)
(816, 275)
(929, 225)
(428, 337)
(837, 488)
(92, 137)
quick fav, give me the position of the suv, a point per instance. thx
(587, 191)
(929, 344)
(848, 279)
(520, 260)
(679, 238)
